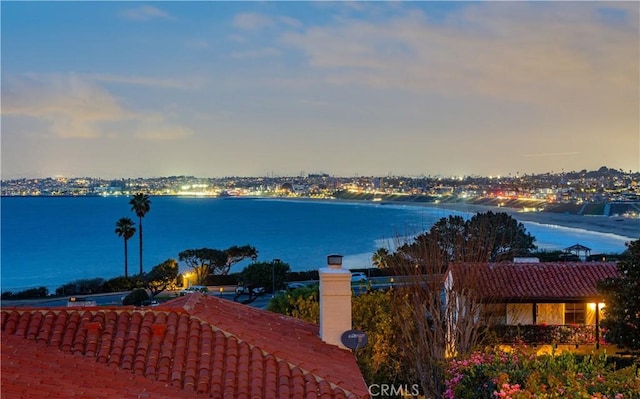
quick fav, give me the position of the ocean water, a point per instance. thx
(48, 241)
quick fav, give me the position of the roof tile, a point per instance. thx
(183, 342)
(536, 281)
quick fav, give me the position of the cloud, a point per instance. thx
(506, 51)
(252, 21)
(260, 53)
(72, 106)
(145, 13)
(161, 132)
(165, 83)
(68, 103)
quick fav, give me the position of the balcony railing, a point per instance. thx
(540, 334)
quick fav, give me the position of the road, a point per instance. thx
(115, 299)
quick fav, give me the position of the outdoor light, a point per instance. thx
(334, 261)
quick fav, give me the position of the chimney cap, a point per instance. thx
(334, 261)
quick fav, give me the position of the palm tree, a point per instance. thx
(379, 258)
(140, 204)
(125, 229)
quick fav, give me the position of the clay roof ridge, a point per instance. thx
(264, 352)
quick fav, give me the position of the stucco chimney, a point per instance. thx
(335, 301)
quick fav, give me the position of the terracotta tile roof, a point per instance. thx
(194, 346)
(535, 281)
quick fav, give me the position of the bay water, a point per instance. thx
(49, 241)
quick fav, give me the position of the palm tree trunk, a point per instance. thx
(140, 223)
(126, 258)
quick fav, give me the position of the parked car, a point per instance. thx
(247, 288)
(192, 289)
(358, 277)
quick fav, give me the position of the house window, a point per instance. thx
(495, 313)
(574, 313)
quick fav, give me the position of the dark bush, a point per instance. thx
(303, 276)
(136, 297)
(230, 279)
(81, 287)
(31, 293)
(122, 283)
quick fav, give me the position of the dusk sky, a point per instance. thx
(128, 89)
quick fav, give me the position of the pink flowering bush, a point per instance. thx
(519, 375)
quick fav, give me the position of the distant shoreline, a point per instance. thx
(625, 227)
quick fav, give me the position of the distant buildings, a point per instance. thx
(533, 192)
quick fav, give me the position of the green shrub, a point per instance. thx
(136, 297)
(301, 303)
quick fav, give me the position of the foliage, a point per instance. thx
(31, 293)
(301, 303)
(502, 233)
(140, 205)
(237, 254)
(623, 302)
(125, 229)
(136, 297)
(263, 274)
(209, 261)
(304, 275)
(379, 258)
(381, 361)
(447, 321)
(162, 276)
(220, 279)
(122, 283)
(521, 375)
(483, 238)
(204, 261)
(82, 287)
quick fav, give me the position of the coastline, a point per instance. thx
(624, 227)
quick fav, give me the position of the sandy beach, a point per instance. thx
(624, 227)
(620, 226)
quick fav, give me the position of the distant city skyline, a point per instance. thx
(145, 89)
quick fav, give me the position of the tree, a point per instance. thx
(237, 254)
(379, 258)
(270, 275)
(446, 314)
(204, 261)
(125, 229)
(136, 297)
(502, 234)
(162, 276)
(623, 302)
(497, 236)
(140, 204)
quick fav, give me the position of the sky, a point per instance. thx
(213, 89)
